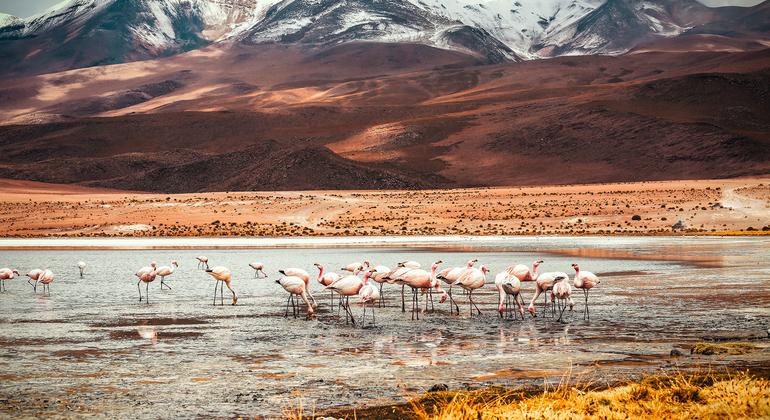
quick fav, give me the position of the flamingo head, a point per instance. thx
(367, 264)
(401, 264)
(15, 272)
(318, 266)
(575, 266)
(471, 262)
(531, 310)
(537, 263)
(153, 264)
(444, 297)
(435, 264)
(175, 263)
(559, 278)
(500, 308)
(484, 269)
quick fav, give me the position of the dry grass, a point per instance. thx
(733, 348)
(678, 397)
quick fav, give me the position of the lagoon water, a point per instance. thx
(92, 347)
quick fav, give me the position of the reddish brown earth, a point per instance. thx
(381, 116)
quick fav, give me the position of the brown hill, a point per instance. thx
(388, 116)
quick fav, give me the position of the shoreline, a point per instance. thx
(311, 242)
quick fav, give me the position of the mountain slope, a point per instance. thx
(85, 33)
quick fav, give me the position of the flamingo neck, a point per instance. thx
(320, 272)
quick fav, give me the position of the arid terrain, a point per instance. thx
(661, 207)
(389, 116)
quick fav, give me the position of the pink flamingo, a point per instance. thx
(165, 271)
(223, 277)
(368, 294)
(46, 278)
(203, 262)
(585, 280)
(563, 293)
(356, 267)
(326, 279)
(450, 275)
(508, 287)
(470, 280)
(259, 269)
(346, 287)
(304, 275)
(423, 281)
(394, 278)
(146, 275)
(34, 275)
(543, 284)
(82, 268)
(379, 275)
(7, 274)
(296, 287)
(523, 273)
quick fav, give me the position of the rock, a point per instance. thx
(439, 388)
(676, 353)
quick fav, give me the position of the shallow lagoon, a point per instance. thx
(92, 347)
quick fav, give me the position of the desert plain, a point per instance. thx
(724, 206)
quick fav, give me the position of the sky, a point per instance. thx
(25, 8)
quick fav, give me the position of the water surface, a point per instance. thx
(91, 347)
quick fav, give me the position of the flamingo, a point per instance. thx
(296, 287)
(563, 293)
(202, 261)
(368, 294)
(356, 267)
(298, 272)
(379, 275)
(46, 278)
(166, 270)
(394, 278)
(258, 268)
(146, 275)
(584, 280)
(411, 264)
(420, 279)
(346, 287)
(7, 274)
(543, 284)
(325, 279)
(222, 275)
(523, 273)
(470, 280)
(450, 275)
(34, 275)
(82, 268)
(508, 287)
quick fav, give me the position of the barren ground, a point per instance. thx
(31, 209)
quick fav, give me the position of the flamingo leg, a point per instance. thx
(286, 312)
(470, 297)
(586, 316)
(363, 317)
(147, 293)
(382, 298)
(561, 313)
(403, 302)
(216, 285)
(452, 302)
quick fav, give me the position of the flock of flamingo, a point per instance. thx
(368, 289)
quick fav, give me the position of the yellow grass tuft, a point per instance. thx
(723, 348)
(680, 397)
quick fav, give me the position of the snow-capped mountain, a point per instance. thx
(79, 33)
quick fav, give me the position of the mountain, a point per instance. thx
(84, 33)
(619, 25)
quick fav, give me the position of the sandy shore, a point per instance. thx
(730, 206)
